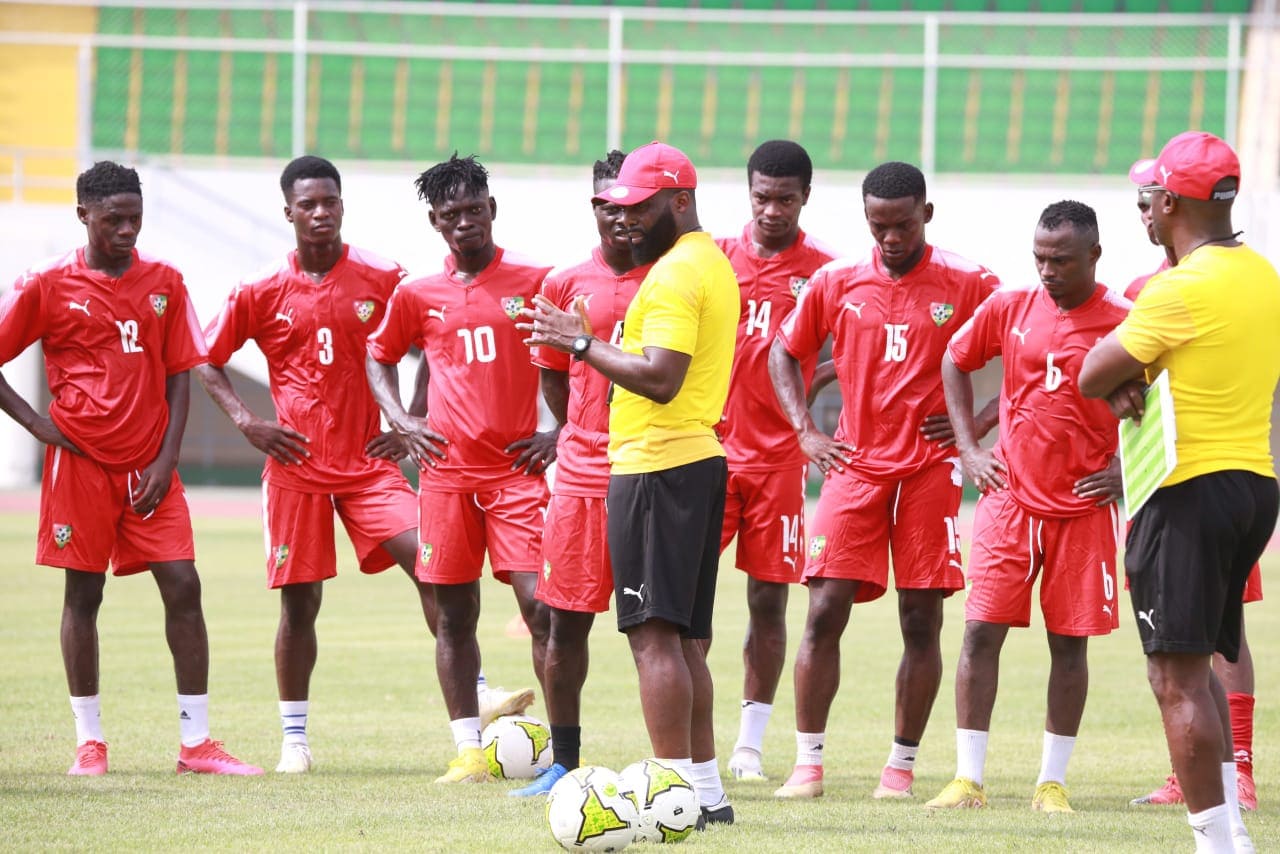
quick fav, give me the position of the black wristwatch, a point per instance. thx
(581, 345)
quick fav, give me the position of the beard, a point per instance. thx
(660, 237)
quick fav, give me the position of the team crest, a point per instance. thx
(281, 554)
(159, 302)
(426, 553)
(941, 312)
(61, 535)
(816, 545)
(364, 309)
(797, 285)
(512, 306)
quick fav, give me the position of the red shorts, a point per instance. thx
(576, 572)
(1252, 584)
(299, 527)
(87, 520)
(455, 529)
(765, 511)
(858, 523)
(1074, 557)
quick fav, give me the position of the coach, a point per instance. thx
(668, 473)
(1211, 321)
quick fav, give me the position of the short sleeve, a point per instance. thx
(671, 310)
(805, 329)
(979, 340)
(233, 326)
(21, 316)
(556, 289)
(1159, 321)
(400, 328)
(184, 345)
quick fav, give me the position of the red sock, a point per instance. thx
(1242, 730)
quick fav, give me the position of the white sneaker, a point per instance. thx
(295, 758)
(747, 765)
(495, 702)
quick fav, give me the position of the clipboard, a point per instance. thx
(1148, 452)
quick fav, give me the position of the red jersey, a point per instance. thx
(1050, 436)
(582, 454)
(109, 346)
(483, 393)
(755, 433)
(888, 337)
(314, 336)
(1136, 286)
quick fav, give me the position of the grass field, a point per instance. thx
(379, 733)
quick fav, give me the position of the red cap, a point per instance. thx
(1190, 165)
(648, 169)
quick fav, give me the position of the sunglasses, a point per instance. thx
(1145, 193)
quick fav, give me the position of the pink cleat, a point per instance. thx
(1247, 791)
(894, 783)
(1169, 793)
(209, 758)
(805, 782)
(91, 760)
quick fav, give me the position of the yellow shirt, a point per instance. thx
(1213, 322)
(688, 303)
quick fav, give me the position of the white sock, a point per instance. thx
(971, 754)
(1239, 832)
(193, 719)
(809, 747)
(482, 684)
(706, 782)
(1054, 757)
(755, 716)
(683, 765)
(293, 720)
(1212, 830)
(466, 732)
(87, 712)
(902, 756)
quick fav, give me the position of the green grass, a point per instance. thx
(379, 732)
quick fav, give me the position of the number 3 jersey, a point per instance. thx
(109, 347)
(483, 393)
(755, 433)
(313, 335)
(888, 339)
(1050, 436)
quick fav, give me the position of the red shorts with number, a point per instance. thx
(858, 523)
(87, 520)
(1252, 584)
(456, 528)
(300, 532)
(1075, 558)
(765, 511)
(576, 572)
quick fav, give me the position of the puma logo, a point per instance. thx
(1166, 173)
(286, 317)
(438, 314)
(856, 308)
(790, 561)
(78, 307)
(1021, 333)
(639, 594)
(1148, 617)
(674, 176)
(1106, 609)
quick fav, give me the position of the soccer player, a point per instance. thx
(119, 337)
(576, 581)
(1237, 679)
(311, 316)
(892, 480)
(483, 486)
(764, 508)
(1049, 489)
(667, 482)
(1195, 540)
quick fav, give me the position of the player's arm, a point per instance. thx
(153, 482)
(539, 450)
(656, 373)
(555, 391)
(424, 445)
(823, 376)
(988, 417)
(388, 444)
(272, 438)
(980, 464)
(1110, 372)
(40, 426)
(788, 384)
(1103, 486)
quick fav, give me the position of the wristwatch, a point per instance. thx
(581, 345)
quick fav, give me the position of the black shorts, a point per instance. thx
(1188, 555)
(664, 543)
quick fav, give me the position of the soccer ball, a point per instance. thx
(666, 802)
(517, 747)
(587, 811)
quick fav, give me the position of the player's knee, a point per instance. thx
(83, 593)
(767, 603)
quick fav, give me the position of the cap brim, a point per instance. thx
(1144, 171)
(620, 194)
